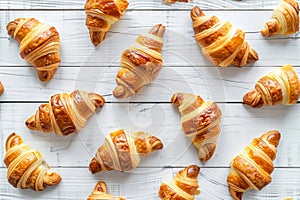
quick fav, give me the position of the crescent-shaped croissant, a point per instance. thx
(200, 120)
(183, 187)
(285, 19)
(141, 63)
(281, 86)
(252, 168)
(1, 88)
(26, 167)
(65, 113)
(221, 43)
(123, 151)
(100, 193)
(100, 15)
(39, 45)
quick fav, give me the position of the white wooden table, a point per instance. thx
(94, 69)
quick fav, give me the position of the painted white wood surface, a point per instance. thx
(88, 68)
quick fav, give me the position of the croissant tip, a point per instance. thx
(31, 123)
(100, 187)
(197, 12)
(193, 171)
(120, 92)
(97, 100)
(253, 99)
(52, 178)
(97, 37)
(94, 166)
(157, 30)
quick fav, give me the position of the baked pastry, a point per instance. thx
(183, 187)
(200, 120)
(100, 193)
(39, 45)
(141, 63)
(285, 19)
(100, 15)
(1, 88)
(281, 86)
(122, 151)
(65, 113)
(26, 167)
(252, 168)
(220, 42)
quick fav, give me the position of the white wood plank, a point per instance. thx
(145, 4)
(143, 184)
(239, 126)
(217, 84)
(180, 47)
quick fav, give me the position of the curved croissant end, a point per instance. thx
(285, 19)
(281, 86)
(252, 168)
(101, 14)
(220, 42)
(1, 88)
(184, 185)
(100, 192)
(141, 63)
(65, 113)
(39, 45)
(123, 151)
(200, 120)
(26, 167)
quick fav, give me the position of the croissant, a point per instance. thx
(39, 45)
(252, 168)
(285, 19)
(221, 43)
(183, 187)
(141, 63)
(281, 86)
(100, 15)
(26, 167)
(123, 151)
(65, 113)
(200, 120)
(1, 88)
(100, 193)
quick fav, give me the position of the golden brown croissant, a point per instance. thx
(141, 63)
(100, 15)
(39, 45)
(252, 168)
(285, 19)
(123, 151)
(200, 120)
(1, 88)
(26, 167)
(183, 187)
(281, 86)
(65, 113)
(221, 43)
(100, 193)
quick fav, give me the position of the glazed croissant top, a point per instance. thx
(123, 151)
(285, 19)
(26, 167)
(281, 86)
(200, 120)
(1, 88)
(39, 45)
(221, 43)
(100, 193)
(65, 113)
(141, 63)
(183, 187)
(101, 14)
(252, 168)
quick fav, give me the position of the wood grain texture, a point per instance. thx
(78, 183)
(138, 4)
(240, 124)
(180, 48)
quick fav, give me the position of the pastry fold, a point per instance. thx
(100, 193)
(26, 167)
(39, 45)
(220, 42)
(252, 168)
